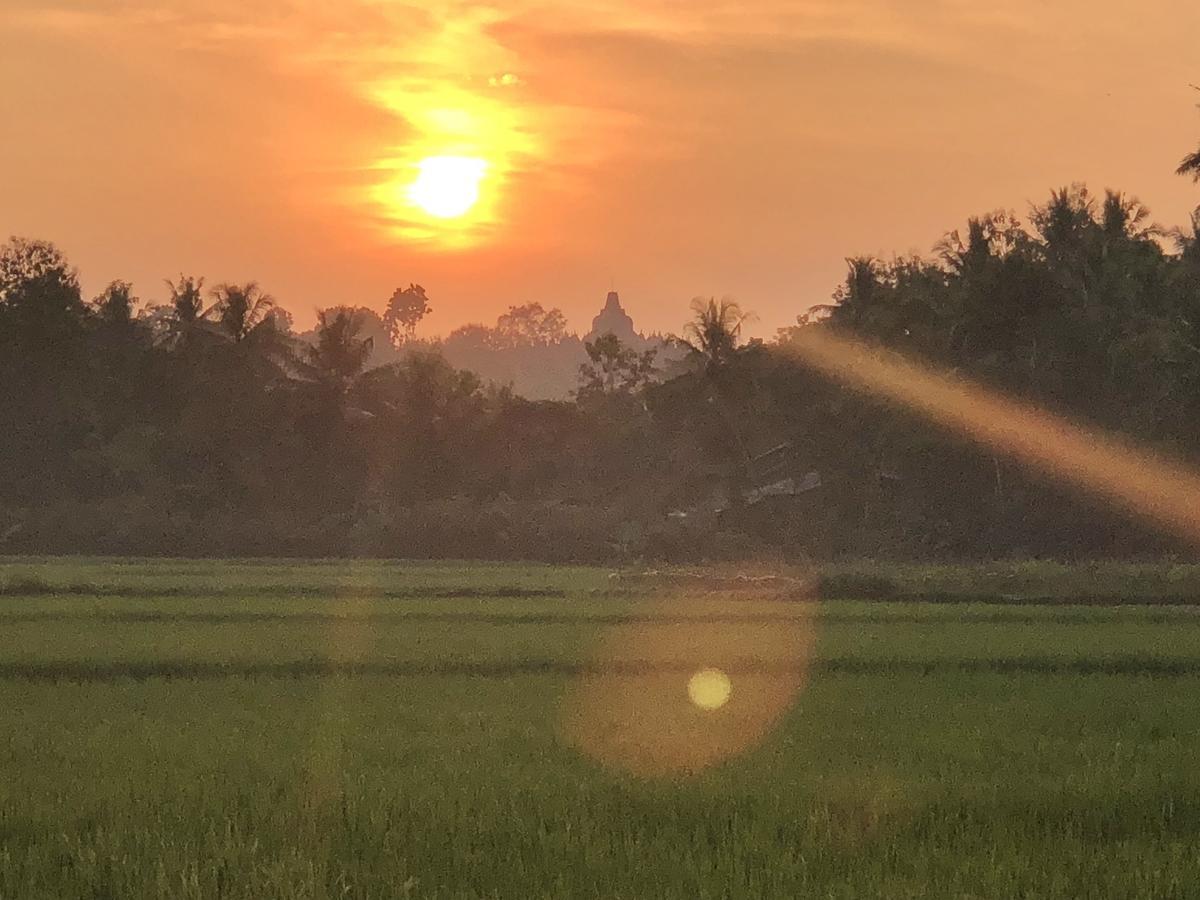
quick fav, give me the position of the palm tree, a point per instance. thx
(1191, 162)
(115, 305)
(712, 338)
(187, 300)
(339, 355)
(1190, 166)
(183, 314)
(242, 310)
(715, 331)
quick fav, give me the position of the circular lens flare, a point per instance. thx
(447, 187)
(628, 708)
(709, 689)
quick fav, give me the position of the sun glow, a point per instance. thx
(447, 187)
(447, 184)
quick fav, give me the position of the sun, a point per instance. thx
(447, 187)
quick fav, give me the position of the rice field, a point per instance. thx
(266, 729)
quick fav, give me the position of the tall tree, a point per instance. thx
(115, 305)
(614, 370)
(177, 321)
(47, 413)
(712, 340)
(471, 339)
(715, 331)
(530, 325)
(405, 310)
(1191, 165)
(187, 298)
(339, 355)
(40, 300)
(242, 309)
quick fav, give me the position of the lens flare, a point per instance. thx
(710, 689)
(1160, 490)
(630, 710)
(350, 641)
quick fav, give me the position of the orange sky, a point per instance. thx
(668, 148)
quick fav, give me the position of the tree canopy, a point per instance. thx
(199, 423)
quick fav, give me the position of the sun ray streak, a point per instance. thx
(1137, 479)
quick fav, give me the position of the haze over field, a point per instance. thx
(513, 152)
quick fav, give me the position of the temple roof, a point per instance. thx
(614, 320)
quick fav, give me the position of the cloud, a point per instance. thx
(565, 90)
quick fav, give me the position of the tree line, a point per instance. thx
(203, 424)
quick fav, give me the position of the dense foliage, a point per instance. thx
(203, 426)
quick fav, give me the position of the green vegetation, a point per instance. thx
(202, 426)
(358, 729)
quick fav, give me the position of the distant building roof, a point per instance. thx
(614, 320)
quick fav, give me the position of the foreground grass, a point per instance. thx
(370, 730)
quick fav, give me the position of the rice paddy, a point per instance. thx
(262, 729)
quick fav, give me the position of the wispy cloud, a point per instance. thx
(559, 88)
(614, 123)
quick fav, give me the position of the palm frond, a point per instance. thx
(1190, 166)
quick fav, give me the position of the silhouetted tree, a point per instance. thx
(405, 310)
(530, 325)
(47, 411)
(176, 322)
(242, 309)
(187, 300)
(471, 340)
(614, 369)
(715, 331)
(115, 304)
(1190, 166)
(717, 392)
(281, 321)
(339, 355)
(194, 430)
(40, 301)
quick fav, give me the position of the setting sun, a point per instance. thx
(447, 186)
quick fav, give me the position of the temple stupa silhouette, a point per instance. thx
(614, 320)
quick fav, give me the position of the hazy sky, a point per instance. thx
(668, 148)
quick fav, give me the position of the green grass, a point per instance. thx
(275, 729)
